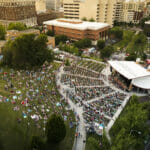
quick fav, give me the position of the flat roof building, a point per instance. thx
(77, 29)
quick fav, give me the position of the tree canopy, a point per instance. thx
(27, 51)
(107, 52)
(137, 46)
(55, 129)
(2, 32)
(60, 38)
(17, 26)
(100, 44)
(84, 43)
(116, 32)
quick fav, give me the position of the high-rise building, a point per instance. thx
(18, 11)
(40, 6)
(53, 4)
(99, 10)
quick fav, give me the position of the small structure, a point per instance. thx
(136, 75)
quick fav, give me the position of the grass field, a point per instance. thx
(27, 99)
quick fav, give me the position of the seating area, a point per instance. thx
(103, 109)
(74, 80)
(81, 71)
(98, 67)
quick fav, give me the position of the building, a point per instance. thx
(77, 29)
(133, 11)
(12, 34)
(18, 11)
(136, 75)
(48, 15)
(53, 5)
(40, 6)
(99, 10)
(147, 8)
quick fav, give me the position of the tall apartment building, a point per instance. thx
(18, 11)
(40, 6)
(147, 8)
(99, 10)
(133, 10)
(53, 4)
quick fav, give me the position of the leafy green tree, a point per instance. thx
(55, 129)
(17, 26)
(105, 142)
(67, 63)
(116, 32)
(60, 38)
(27, 51)
(101, 44)
(137, 45)
(37, 143)
(107, 52)
(2, 32)
(92, 20)
(94, 143)
(84, 43)
(84, 19)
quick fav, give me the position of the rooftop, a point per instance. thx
(76, 24)
(129, 69)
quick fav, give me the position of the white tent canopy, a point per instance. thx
(129, 69)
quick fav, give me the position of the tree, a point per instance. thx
(137, 45)
(92, 20)
(60, 38)
(37, 143)
(27, 51)
(55, 129)
(116, 32)
(101, 44)
(107, 52)
(2, 32)
(94, 143)
(17, 26)
(84, 43)
(105, 142)
(84, 19)
(67, 63)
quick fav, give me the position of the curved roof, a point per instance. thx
(129, 69)
(143, 82)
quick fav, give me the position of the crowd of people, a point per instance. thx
(34, 93)
(98, 67)
(81, 71)
(75, 80)
(101, 110)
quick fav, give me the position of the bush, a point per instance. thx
(60, 38)
(107, 52)
(101, 44)
(84, 43)
(17, 26)
(37, 143)
(55, 129)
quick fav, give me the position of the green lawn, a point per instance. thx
(35, 94)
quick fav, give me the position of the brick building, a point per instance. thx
(77, 29)
(18, 11)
